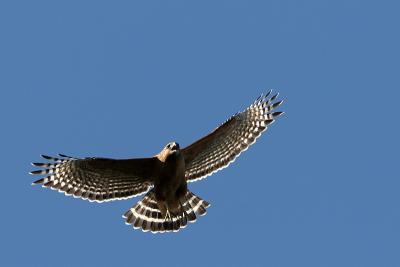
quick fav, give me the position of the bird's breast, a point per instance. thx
(171, 177)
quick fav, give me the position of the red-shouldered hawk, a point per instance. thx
(168, 204)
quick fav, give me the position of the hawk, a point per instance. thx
(168, 204)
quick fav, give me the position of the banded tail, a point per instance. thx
(147, 216)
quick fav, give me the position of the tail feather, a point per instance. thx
(147, 216)
(196, 205)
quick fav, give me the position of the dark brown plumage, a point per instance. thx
(168, 205)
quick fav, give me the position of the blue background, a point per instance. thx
(122, 78)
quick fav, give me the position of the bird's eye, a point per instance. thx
(168, 146)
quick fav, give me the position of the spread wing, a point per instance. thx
(97, 179)
(221, 147)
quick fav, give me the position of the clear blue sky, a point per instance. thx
(122, 78)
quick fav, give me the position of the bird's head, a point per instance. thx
(170, 149)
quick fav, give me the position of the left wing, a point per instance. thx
(98, 179)
(222, 146)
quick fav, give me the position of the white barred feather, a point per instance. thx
(83, 178)
(221, 147)
(146, 215)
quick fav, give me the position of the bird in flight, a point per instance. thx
(168, 205)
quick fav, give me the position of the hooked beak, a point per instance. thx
(174, 146)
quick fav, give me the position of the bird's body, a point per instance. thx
(170, 185)
(168, 204)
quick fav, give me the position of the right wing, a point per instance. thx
(222, 146)
(98, 179)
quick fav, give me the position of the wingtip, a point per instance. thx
(38, 172)
(40, 181)
(274, 96)
(277, 114)
(277, 104)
